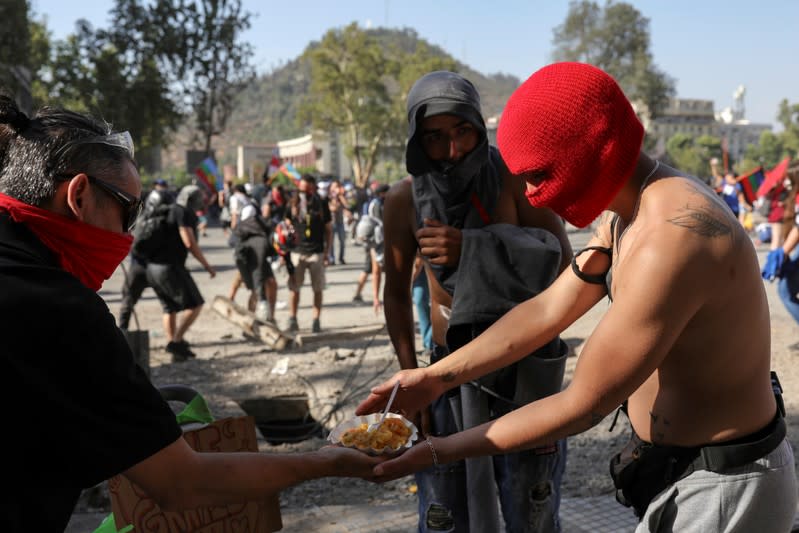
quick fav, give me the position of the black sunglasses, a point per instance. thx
(131, 205)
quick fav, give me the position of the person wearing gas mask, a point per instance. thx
(485, 249)
(708, 449)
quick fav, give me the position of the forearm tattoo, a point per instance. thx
(705, 217)
(660, 426)
(448, 377)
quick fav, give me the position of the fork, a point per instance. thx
(374, 426)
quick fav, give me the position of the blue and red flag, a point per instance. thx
(751, 182)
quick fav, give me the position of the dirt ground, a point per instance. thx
(336, 376)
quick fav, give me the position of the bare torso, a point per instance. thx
(713, 383)
(402, 243)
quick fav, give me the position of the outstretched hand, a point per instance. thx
(416, 392)
(349, 462)
(440, 243)
(417, 458)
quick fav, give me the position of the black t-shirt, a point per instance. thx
(175, 252)
(311, 228)
(77, 408)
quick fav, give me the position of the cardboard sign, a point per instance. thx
(131, 505)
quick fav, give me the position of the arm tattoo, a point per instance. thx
(448, 377)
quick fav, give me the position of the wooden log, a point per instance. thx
(356, 332)
(267, 332)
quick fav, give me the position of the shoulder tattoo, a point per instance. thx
(703, 217)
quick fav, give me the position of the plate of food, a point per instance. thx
(394, 435)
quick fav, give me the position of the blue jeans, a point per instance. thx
(528, 482)
(340, 232)
(787, 288)
(421, 299)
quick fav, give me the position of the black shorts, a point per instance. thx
(174, 287)
(251, 255)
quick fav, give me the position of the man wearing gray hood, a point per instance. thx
(485, 250)
(168, 276)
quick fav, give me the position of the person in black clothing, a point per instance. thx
(310, 216)
(136, 275)
(69, 190)
(251, 254)
(169, 278)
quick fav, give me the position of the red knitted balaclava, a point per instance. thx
(572, 123)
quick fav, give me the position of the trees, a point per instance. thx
(693, 154)
(359, 89)
(615, 38)
(218, 62)
(116, 75)
(348, 94)
(788, 115)
(160, 62)
(15, 74)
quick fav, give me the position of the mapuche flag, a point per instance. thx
(209, 175)
(750, 183)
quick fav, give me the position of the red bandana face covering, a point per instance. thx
(89, 253)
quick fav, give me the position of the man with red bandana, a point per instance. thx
(485, 250)
(708, 450)
(78, 409)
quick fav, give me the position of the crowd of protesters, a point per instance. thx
(280, 225)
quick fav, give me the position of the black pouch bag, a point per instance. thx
(642, 470)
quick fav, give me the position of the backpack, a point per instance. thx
(369, 228)
(254, 226)
(151, 233)
(283, 239)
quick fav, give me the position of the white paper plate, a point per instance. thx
(335, 435)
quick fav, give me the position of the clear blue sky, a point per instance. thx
(708, 46)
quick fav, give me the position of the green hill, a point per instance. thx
(265, 111)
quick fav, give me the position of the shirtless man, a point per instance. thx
(453, 209)
(695, 376)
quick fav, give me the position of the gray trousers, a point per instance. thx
(760, 496)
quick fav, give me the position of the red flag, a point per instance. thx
(773, 177)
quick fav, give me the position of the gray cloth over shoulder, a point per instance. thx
(501, 266)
